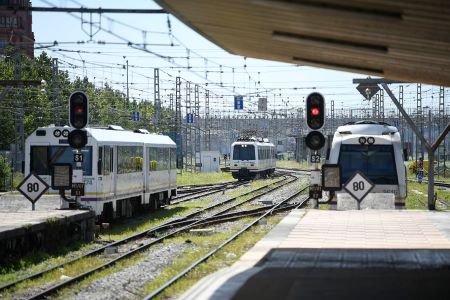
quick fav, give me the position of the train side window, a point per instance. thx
(111, 160)
(107, 160)
(167, 158)
(39, 160)
(100, 161)
(129, 159)
(173, 158)
(153, 158)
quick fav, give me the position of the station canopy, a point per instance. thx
(396, 39)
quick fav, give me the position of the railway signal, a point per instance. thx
(315, 119)
(78, 118)
(78, 110)
(315, 111)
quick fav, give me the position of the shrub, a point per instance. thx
(5, 173)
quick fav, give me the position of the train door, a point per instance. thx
(39, 161)
(105, 170)
(172, 168)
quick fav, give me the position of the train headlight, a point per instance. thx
(370, 140)
(65, 133)
(362, 140)
(57, 133)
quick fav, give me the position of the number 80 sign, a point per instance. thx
(32, 187)
(358, 186)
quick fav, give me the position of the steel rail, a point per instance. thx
(203, 193)
(204, 258)
(166, 225)
(133, 237)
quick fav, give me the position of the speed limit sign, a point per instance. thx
(32, 187)
(359, 186)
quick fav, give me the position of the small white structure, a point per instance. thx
(371, 201)
(210, 161)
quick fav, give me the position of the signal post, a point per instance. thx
(63, 176)
(315, 140)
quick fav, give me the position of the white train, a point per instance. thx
(252, 158)
(123, 171)
(375, 149)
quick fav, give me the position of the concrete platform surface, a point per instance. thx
(47, 228)
(12, 223)
(18, 203)
(316, 254)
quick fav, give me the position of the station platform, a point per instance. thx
(23, 230)
(317, 254)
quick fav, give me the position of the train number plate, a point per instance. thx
(315, 158)
(78, 157)
(77, 189)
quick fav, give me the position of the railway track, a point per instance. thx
(436, 183)
(164, 230)
(206, 191)
(264, 213)
(199, 191)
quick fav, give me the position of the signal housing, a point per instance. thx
(78, 110)
(315, 111)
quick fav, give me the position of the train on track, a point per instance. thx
(123, 171)
(375, 149)
(251, 158)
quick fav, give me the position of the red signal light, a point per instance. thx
(315, 111)
(79, 110)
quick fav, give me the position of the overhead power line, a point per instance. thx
(89, 10)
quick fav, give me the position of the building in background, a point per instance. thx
(16, 26)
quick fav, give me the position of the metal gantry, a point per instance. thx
(419, 119)
(197, 137)
(55, 94)
(178, 138)
(207, 132)
(157, 103)
(400, 117)
(441, 125)
(376, 108)
(188, 130)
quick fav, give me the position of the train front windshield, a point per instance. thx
(244, 152)
(42, 157)
(377, 162)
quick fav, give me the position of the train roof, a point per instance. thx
(249, 142)
(126, 136)
(112, 134)
(366, 127)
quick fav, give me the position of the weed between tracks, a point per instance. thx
(204, 244)
(49, 279)
(291, 164)
(42, 260)
(188, 178)
(418, 196)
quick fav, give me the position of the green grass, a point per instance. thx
(72, 290)
(188, 178)
(418, 196)
(203, 244)
(38, 261)
(292, 164)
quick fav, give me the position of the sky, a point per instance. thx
(101, 52)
